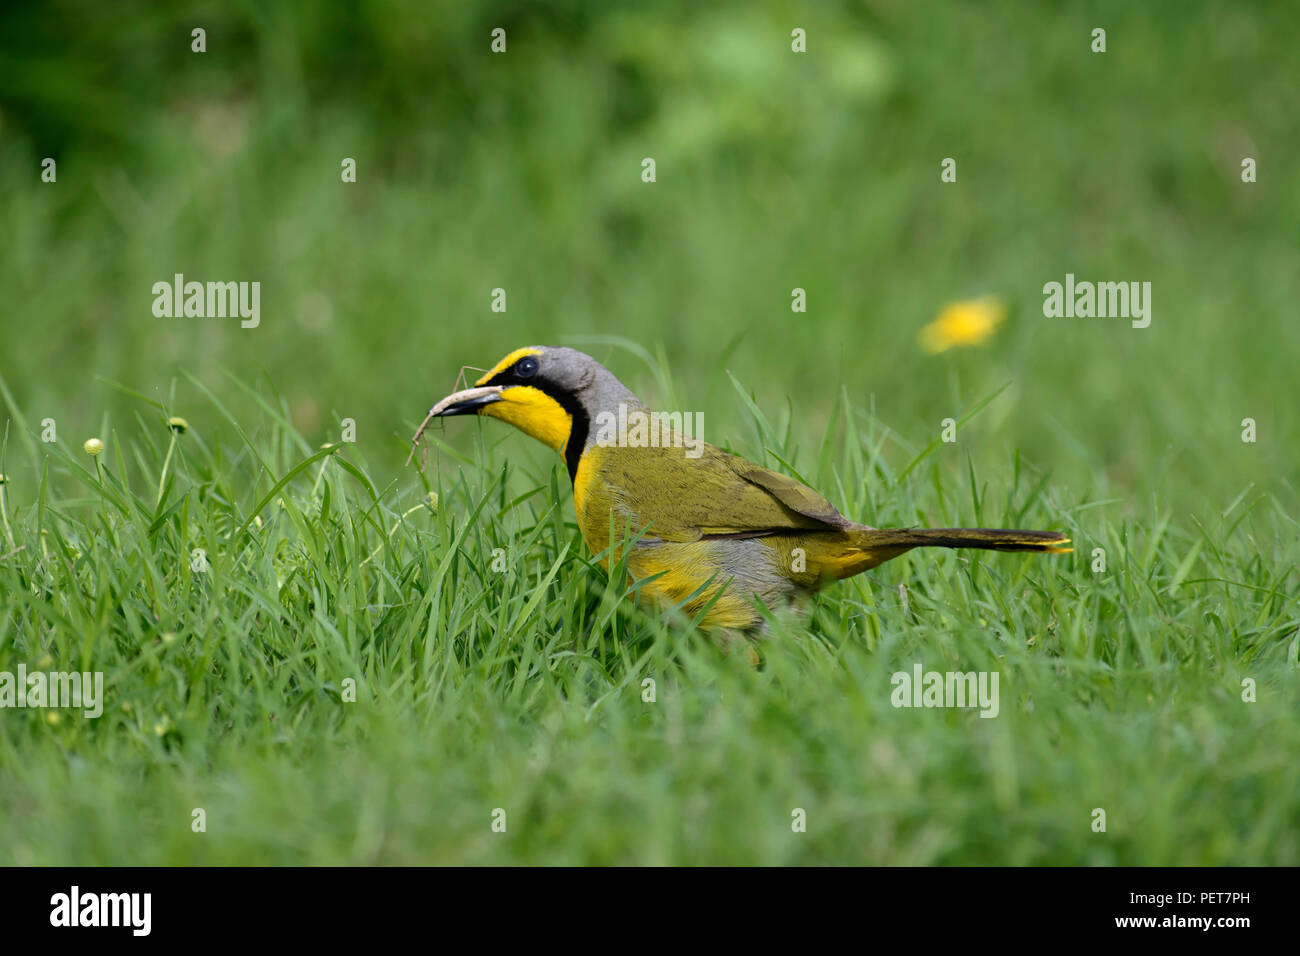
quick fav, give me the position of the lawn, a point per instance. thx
(342, 659)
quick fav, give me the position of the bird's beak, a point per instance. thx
(466, 402)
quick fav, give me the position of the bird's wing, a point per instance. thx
(794, 495)
(716, 495)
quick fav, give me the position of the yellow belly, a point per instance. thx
(677, 569)
(690, 576)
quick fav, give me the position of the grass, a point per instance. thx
(523, 689)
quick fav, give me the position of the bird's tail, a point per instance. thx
(989, 539)
(868, 547)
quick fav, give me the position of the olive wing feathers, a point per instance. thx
(715, 495)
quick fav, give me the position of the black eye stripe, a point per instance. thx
(523, 370)
(581, 422)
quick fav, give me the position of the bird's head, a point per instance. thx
(550, 393)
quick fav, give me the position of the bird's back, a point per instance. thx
(709, 524)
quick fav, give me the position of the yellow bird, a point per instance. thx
(716, 531)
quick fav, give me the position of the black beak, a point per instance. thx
(467, 402)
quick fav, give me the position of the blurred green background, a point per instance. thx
(522, 171)
(775, 170)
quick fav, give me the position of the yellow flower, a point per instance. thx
(963, 323)
(93, 446)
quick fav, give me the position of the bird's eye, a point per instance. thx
(526, 367)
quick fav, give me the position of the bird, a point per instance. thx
(701, 529)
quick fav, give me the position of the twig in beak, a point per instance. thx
(476, 394)
(461, 374)
(415, 440)
(419, 432)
